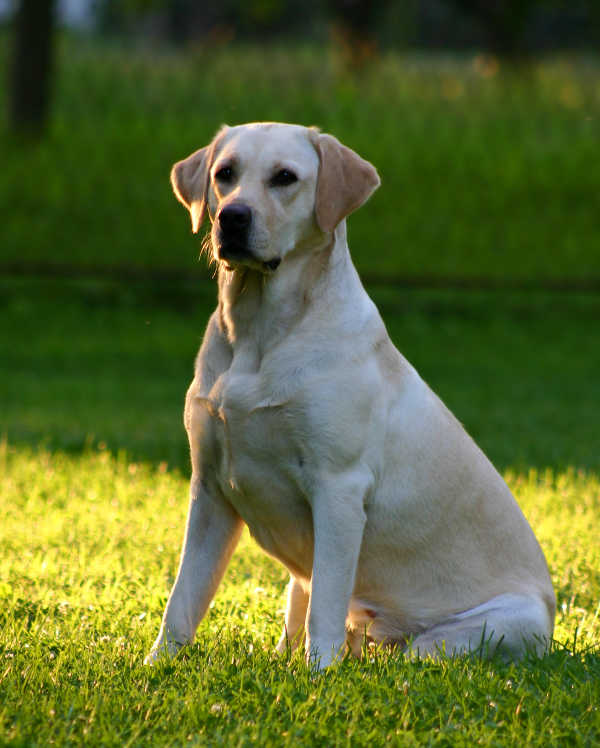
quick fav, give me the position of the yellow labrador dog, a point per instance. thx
(306, 424)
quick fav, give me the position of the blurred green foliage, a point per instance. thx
(487, 171)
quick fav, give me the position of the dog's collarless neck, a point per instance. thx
(261, 309)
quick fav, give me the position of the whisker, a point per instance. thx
(206, 249)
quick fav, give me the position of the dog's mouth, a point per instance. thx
(233, 255)
(273, 264)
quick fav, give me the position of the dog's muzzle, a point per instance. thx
(234, 222)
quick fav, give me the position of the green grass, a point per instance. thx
(90, 546)
(93, 500)
(486, 173)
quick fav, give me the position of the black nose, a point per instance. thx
(235, 218)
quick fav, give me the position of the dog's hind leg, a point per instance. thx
(295, 615)
(508, 625)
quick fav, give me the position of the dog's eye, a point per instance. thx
(283, 178)
(225, 174)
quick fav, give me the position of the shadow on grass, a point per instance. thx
(107, 363)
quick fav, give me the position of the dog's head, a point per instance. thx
(270, 188)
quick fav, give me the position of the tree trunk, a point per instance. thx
(31, 66)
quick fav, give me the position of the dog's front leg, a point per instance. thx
(212, 531)
(338, 520)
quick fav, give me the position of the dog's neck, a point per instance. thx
(258, 310)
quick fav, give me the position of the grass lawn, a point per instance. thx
(93, 473)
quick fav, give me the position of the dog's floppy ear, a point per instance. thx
(190, 179)
(346, 181)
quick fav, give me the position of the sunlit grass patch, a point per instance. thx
(98, 537)
(564, 509)
(90, 548)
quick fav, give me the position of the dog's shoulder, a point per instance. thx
(214, 357)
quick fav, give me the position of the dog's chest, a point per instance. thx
(260, 462)
(256, 432)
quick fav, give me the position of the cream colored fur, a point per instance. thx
(307, 425)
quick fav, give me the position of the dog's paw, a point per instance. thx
(320, 659)
(164, 650)
(289, 644)
(283, 645)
